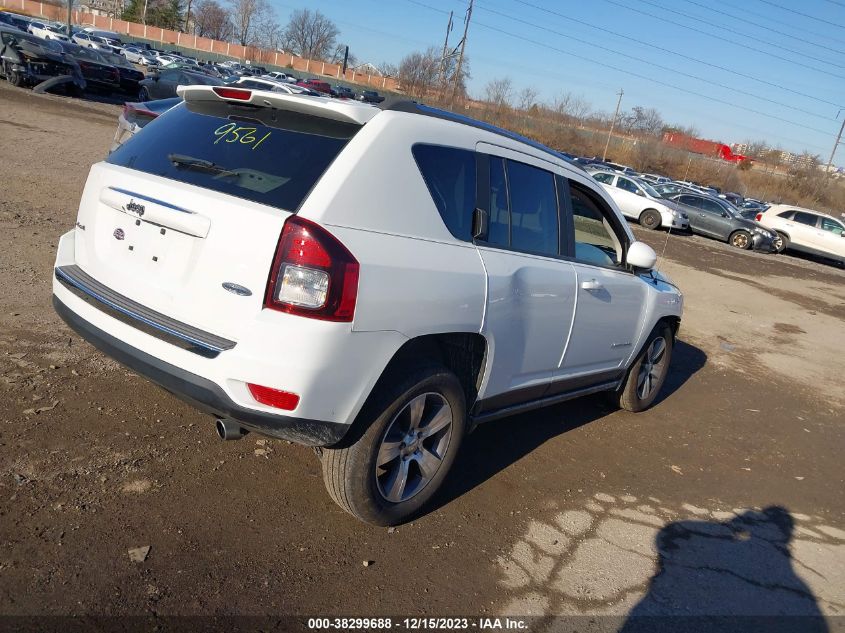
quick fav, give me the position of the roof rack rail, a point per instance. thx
(401, 104)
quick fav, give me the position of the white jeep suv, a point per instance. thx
(638, 200)
(806, 230)
(372, 281)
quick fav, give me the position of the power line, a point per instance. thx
(678, 54)
(789, 24)
(745, 45)
(740, 33)
(839, 4)
(656, 65)
(652, 80)
(805, 15)
(762, 26)
(634, 74)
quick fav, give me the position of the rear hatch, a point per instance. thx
(198, 198)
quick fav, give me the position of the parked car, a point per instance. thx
(640, 201)
(46, 31)
(99, 74)
(259, 83)
(343, 92)
(806, 230)
(129, 77)
(140, 56)
(370, 96)
(654, 179)
(717, 218)
(26, 60)
(14, 21)
(98, 40)
(162, 84)
(266, 277)
(281, 77)
(318, 85)
(136, 115)
(734, 198)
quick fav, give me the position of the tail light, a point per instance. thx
(313, 274)
(758, 217)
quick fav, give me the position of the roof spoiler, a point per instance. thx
(324, 107)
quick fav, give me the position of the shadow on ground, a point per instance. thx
(495, 445)
(733, 576)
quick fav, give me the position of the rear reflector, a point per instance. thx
(274, 397)
(233, 93)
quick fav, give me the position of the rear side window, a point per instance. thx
(449, 174)
(806, 218)
(786, 214)
(268, 156)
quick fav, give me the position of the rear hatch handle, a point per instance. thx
(155, 211)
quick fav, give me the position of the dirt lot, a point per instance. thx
(727, 497)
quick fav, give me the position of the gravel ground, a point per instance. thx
(725, 498)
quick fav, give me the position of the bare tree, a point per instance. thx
(340, 52)
(212, 20)
(246, 16)
(640, 120)
(527, 98)
(499, 92)
(418, 71)
(311, 34)
(269, 33)
(388, 70)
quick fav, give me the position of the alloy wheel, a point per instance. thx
(740, 240)
(652, 368)
(413, 447)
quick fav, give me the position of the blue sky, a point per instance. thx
(795, 49)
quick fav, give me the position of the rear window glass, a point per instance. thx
(265, 155)
(449, 174)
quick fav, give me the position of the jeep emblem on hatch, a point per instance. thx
(134, 207)
(119, 234)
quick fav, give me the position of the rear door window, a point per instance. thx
(265, 155)
(449, 174)
(534, 210)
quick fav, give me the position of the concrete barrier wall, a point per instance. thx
(202, 44)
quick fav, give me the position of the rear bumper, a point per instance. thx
(763, 243)
(201, 392)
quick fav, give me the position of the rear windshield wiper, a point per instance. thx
(179, 160)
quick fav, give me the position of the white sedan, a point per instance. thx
(46, 31)
(640, 201)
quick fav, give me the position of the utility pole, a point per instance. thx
(461, 56)
(613, 123)
(69, 17)
(835, 145)
(443, 56)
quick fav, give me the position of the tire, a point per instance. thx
(378, 494)
(650, 219)
(14, 78)
(782, 243)
(740, 239)
(651, 365)
(143, 95)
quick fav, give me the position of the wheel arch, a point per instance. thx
(463, 353)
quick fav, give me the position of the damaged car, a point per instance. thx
(26, 60)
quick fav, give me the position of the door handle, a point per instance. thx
(591, 285)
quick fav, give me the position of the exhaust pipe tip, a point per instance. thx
(229, 430)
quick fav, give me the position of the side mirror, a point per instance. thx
(641, 193)
(641, 255)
